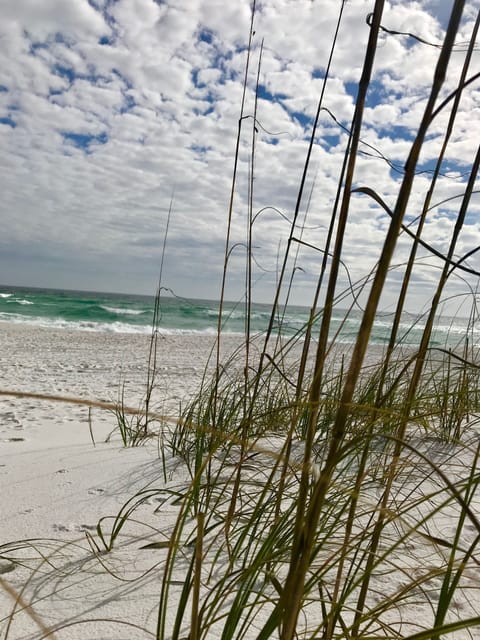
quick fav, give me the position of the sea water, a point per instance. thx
(127, 313)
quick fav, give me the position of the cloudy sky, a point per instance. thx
(110, 109)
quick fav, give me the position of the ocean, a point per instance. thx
(127, 313)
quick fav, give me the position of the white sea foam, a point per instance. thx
(24, 301)
(6, 295)
(81, 325)
(100, 327)
(123, 312)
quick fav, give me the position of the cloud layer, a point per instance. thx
(111, 109)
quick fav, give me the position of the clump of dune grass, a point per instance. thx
(320, 476)
(310, 506)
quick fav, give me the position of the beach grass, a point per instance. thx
(328, 490)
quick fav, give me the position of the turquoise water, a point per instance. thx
(123, 313)
(92, 311)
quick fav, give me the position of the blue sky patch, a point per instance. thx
(304, 120)
(265, 94)
(195, 79)
(205, 35)
(35, 46)
(200, 149)
(206, 111)
(352, 89)
(64, 72)
(128, 103)
(6, 120)
(331, 140)
(84, 140)
(123, 78)
(106, 40)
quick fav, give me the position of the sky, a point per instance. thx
(113, 112)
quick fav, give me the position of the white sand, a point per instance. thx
(55, 485)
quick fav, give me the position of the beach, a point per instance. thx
(61, 474)
(58, 476)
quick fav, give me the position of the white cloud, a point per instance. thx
(42, 20)
(108, 108)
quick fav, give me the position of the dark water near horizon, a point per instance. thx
(128, 313)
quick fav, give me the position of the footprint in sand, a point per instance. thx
(9, 420)
(68, 528)
(96, 492)
(7, 416)
(6, 566)
(61, 528)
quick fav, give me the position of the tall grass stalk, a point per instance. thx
(306, 523)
